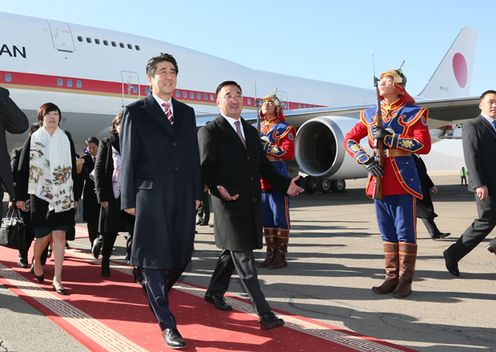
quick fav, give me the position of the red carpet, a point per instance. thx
(113, 314)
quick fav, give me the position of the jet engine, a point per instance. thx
(321, 155)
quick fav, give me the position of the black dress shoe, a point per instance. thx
(22, 262)
(218, 301)
(451, 265)
(40, 278)
(269, 321)
(173, 338)
(440, 235)
(203, 223)
(61, 291)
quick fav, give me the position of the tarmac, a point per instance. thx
(335, 257)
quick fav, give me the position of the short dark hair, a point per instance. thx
(227, 83)
(45, 109)
(92, 139)
(151, 66)
(490, 91)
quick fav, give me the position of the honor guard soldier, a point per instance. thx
(278, 142)
(403, 132)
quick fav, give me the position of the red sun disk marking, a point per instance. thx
(460, 69)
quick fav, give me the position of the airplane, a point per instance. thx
(91, 73)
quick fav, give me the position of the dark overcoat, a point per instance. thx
(91, 208)
(112, 218)
(226, 162)
(425, 208)
(160, 177)
(12, 120)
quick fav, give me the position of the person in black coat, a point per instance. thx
(12, 120)
(112, 219)
(232, 161)
(91, 208)
(425, 208)
(26, 216)
(161, 185)
(479, 144)
(46, 176)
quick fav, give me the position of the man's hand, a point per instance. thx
(294, 189)
(225, 194)
(131, 211)
(197, 204)
(104, 204)
(374, 168)
(434, 189)
(482, 192)
(380, 132)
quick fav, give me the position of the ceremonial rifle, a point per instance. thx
(378, 143)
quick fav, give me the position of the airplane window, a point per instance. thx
(137, 47)
(248, 101)
(60, 82)
(147, 90)
(135, 89)
(114, 44)
(8, 77)
(185, 95)
(198, 96)
(178, 94)
(211, 97)
(121, 45)
(205, 97)
(88, 40)
(192, 95)
(129, 46)
(97, 41)
(105, 42)
(69, 83)
(80, 39)
(79, 83)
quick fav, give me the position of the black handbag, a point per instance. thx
(12, 230)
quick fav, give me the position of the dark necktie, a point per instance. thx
(238, 131)
(168, 112)
(494, 123)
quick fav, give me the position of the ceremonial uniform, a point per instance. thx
(405, 133)
(278, 141)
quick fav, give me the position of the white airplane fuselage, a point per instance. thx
(92, 73)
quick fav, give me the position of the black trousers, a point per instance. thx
(244, 263)
(108, 242)
(158, 283)
(431, 226)
(477, 231)
(92, 224)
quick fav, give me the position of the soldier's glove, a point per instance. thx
(265, 143)
(380, 133)
(374, 168)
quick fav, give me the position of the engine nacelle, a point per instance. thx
(320, 152)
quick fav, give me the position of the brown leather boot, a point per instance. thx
(282, 239)
(408, 256)
(270, 242)
(391, 266)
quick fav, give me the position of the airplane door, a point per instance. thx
(61, 36)
(130, 87)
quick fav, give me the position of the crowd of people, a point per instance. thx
(127, 186)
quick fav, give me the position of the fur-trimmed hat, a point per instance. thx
(399, 80)
(277, 103)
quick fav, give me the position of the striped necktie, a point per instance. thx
(168, 112)
(494, 123)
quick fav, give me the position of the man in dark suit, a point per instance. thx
(425, 208)
(12, 120)
(479, 144)
(91, 207)
(161, 185)
(232, 161)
